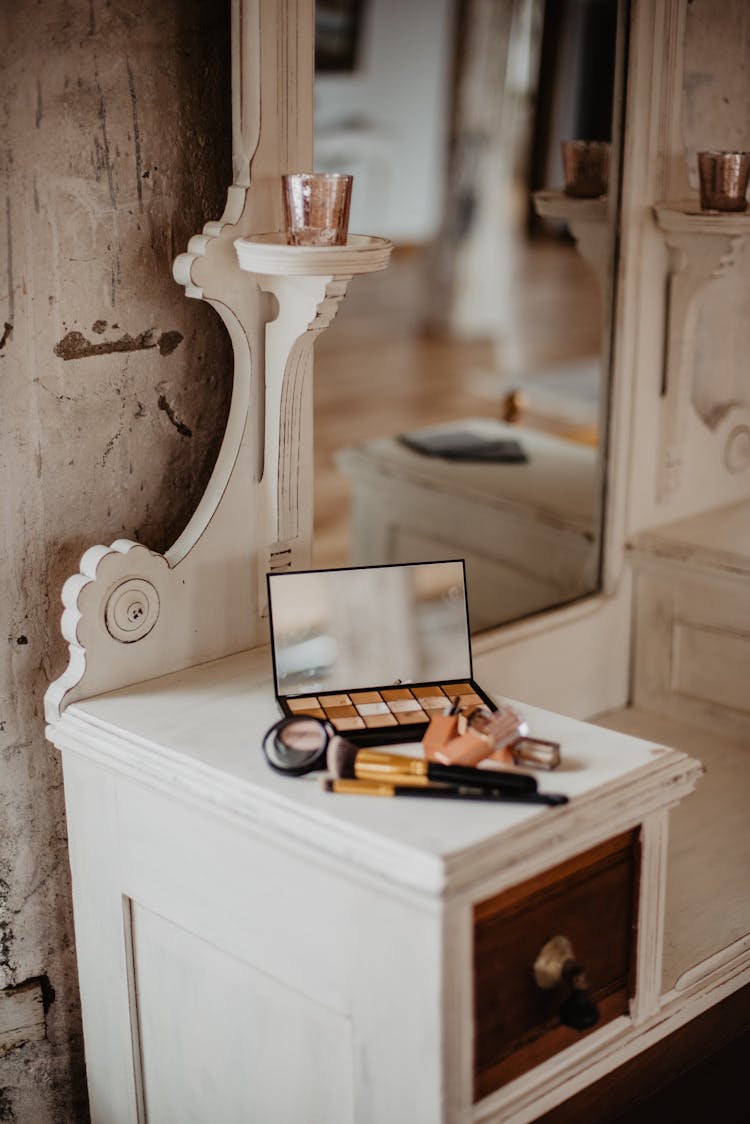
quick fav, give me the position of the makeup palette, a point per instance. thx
(376, 651)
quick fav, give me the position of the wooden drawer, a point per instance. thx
(591, 900)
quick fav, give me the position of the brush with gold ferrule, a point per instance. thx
(373, 787)
(347, 761)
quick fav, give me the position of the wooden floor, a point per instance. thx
(378, 373)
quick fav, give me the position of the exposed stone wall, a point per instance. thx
(114, 150)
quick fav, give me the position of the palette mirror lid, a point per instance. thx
(369, 626)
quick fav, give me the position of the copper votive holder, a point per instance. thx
(586, 168)
(723, 178)
(316, 207)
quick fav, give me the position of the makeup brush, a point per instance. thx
(346, 760)
(372, 787)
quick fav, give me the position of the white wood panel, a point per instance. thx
(712, 664)
(103, 970)
(692, 643)
(243, 894)
(708, 900)
(221, 1041)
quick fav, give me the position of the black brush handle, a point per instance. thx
(481, 778)
(492, 796)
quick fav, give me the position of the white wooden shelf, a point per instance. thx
(688, 218)
(589, 223)
(557, 205)
(271, 254)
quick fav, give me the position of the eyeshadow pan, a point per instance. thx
(341, 711)
(334, 700)
(472, 700)
(364, 696)
(349, 724)
(302, 704)
(431, 702)
(314, 712)
(423, 692)
(372, 708)
(396, 693)
(402, 704)
(405, 717)
(458, 689)
(379, 720)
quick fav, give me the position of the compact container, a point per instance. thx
(375, 650)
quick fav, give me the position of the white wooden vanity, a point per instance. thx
(252, 948)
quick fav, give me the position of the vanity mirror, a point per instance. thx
(499, 292)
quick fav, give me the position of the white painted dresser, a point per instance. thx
(252, 948)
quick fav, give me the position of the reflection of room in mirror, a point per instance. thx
(441, 338)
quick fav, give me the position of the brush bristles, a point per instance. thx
(341, 757)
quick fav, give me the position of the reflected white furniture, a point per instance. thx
(526, 531)
(251, 947)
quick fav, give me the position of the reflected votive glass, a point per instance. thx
(723, 180)
(586, 168)
(316, 207)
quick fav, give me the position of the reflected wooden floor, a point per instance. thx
(378, 373)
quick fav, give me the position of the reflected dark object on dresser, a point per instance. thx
(464, 445)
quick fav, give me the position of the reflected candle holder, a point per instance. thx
(316, 207)
(723, 179)
(586, 168)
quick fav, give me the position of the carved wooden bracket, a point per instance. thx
(701, 247)
(308, 284)
(131, 614)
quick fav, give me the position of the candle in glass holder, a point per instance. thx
(723, 180)
(316, 207)
(586, 168)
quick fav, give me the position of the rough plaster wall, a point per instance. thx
(114, 150)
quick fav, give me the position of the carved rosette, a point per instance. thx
(112, 602)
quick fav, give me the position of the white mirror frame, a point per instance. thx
(131, 614)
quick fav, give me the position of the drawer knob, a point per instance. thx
(556, 966)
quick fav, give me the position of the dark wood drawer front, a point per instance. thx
(591, 900)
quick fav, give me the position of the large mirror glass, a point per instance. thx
(460, 396)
